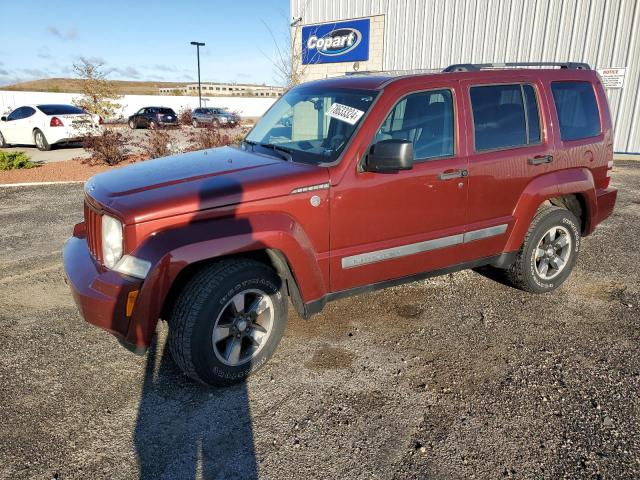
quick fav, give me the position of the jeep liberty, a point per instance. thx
(345, 185)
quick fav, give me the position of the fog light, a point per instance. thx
(133, 266)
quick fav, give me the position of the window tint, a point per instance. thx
(15, 115)
(166, 111)
(426, 119)
(59, 109)
(577, 109)
(533, 117)
(498, 116)
(27, 112)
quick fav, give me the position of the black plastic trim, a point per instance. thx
(500, 261)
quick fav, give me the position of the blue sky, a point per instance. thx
(142, 40)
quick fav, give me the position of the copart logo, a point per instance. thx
(336, 42)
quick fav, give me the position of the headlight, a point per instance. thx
(111, 241)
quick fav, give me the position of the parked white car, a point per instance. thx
(47, 125)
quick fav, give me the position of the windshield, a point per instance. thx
(313, 124)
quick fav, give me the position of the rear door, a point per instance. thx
(26, 125)
(509, 147)
(390, 225)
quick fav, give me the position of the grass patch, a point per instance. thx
(15, 161)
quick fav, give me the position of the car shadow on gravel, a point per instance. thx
(187, 431)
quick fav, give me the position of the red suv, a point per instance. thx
(346, 185)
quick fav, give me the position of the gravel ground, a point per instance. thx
(455, 377)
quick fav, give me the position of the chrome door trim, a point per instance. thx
(485, 233)
(420, 247)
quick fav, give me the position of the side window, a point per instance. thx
(533, 116)
(500, 119)
(141, 111)
(577, 109)
(27, 112)
(15, 115)
(425, 118)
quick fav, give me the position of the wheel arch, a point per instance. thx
(573, 189)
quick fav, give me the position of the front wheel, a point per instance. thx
(3, 142)
(227, 321)
(41, 141)
(153, 125)
(549, 251)
(195, 123)
(132, 124)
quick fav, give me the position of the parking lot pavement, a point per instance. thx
(454, 377)
(181, 138)
(57, 154)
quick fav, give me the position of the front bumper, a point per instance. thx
(100, 294)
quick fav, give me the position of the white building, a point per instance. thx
(225, 89)
(408, 35)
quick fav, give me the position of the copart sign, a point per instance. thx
(336, 42)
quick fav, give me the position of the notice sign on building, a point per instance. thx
(612, 77)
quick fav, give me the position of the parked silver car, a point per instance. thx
(218, 117)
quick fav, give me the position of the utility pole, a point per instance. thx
(198, 45)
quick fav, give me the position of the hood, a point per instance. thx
(197, 181)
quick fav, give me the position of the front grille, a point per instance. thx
(93, 223)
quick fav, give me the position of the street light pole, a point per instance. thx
(198, 45)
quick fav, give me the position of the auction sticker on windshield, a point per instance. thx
(345, 113)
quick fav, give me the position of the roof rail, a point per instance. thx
(474, 67)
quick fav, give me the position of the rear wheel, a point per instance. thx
(215, 123)
(153, 125)
(41, 141)
(132, 124)
(228, 321)
(549, 251)
(3, 142)
(195, 123)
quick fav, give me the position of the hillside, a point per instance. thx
(72, 85)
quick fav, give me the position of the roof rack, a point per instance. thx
(474, 67)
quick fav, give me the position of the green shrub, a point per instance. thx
(15, 160)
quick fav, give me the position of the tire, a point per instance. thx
(152, 125)
(132, 124)
(41, 141)
(3, 143)
(541, 247)
(215, 123)
(195, 123)
(207, 305)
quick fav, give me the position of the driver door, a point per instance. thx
(390, 225)
(11, 128)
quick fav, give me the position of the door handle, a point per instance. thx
(540, 159)
(451, 174)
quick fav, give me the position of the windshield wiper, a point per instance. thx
(284, 153)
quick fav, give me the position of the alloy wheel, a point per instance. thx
(552, 253)
(243, 327)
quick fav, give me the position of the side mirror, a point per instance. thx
(388, 156)
(3, 118)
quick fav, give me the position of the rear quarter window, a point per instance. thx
(60, 109)
(577, 110)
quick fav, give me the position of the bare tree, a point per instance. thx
(287, 59)
(98, 93)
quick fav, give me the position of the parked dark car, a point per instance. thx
(214, 116)
(153, 117)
